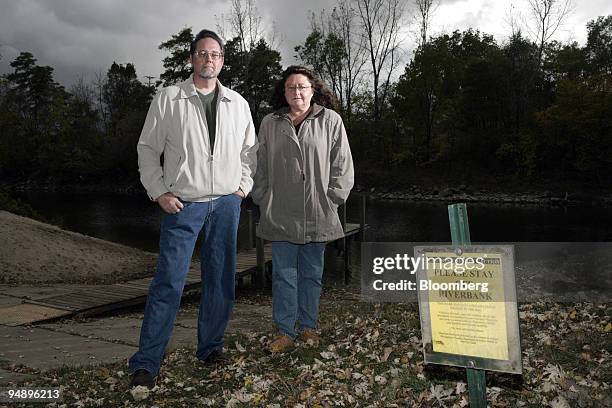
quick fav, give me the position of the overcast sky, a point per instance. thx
(80, 38)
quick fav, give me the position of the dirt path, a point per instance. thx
(34, 252)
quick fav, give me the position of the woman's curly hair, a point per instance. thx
(322, 94)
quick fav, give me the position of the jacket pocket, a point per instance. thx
(173, 170)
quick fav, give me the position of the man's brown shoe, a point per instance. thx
(310, 337)
(281, 344)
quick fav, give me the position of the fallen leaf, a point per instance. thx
(104, 372)
(139, 393)
(386, 353)
(559, 402)
(380, 379)
(460, 388)
(111, 380)
(327, 355)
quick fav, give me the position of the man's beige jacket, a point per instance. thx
(176, 127)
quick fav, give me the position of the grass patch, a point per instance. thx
(370, 356)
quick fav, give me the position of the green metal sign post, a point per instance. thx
(460, 235)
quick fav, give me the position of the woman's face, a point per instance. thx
(298, 92)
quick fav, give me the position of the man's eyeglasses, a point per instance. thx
(213, 56)
(293, 88)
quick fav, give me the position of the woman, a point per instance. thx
(304, 172)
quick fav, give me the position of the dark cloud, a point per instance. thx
(291, 19)
(82, 38)
(104, 16)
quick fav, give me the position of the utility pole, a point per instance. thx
(149, 77)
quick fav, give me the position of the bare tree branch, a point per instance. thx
(514, 20)
(244, 22)
(425, 10)
(381, 21)
(548, 16)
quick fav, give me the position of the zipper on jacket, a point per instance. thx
(301, 141)
(215, 146)
(210, 148)
(301, 149)
(212, 175)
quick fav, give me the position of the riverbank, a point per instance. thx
(381, 186)
(34, 252)
(423, 185)
(465, 194)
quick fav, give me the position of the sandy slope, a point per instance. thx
(35, 252)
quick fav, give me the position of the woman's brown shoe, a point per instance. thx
(281, 344)
(310, 337)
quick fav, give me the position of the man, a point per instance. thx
(206, 135)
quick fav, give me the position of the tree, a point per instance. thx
(599, 44)
(126, 100)
(11, 153)
(425, 9)
(252, 73)
(38, 109)
(524, 69)
(325, 53)
(311, 53)
(246, 23)
(46, 131)
(381, 22)
(448, 94)
(234, 67)
(178, 63)
(251, 65)
(33, 85)
(123, 92)
(354, 52)
(513, 20)
(547, 17)
(573, 134)
(564, 61)
(335, 50)
(83, 140)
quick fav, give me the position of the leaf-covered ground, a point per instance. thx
(370, 357)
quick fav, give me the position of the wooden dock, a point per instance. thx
(105, 298)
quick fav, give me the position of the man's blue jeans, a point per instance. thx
(218, 222)
(296, 285)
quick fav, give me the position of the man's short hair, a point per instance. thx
(205, 34)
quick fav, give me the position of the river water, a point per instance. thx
(134, 221)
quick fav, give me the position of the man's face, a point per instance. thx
(204, 64)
